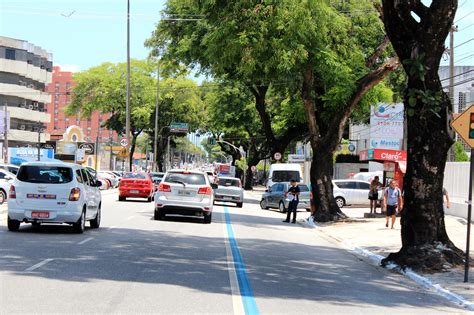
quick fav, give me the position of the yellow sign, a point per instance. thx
(464, 126)
(123, 153)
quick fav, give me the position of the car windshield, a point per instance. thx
(229, 182)
(285, 176)
(303, 188)
(45, 174)
(185, 178)
(135, 175)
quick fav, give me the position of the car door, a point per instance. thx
(95, 196)
(363, 192)
(89, 196)
(273, 195)
(348, 187)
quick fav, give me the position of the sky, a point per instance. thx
(84, 33)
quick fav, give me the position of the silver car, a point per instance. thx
(185, 192)
(275, 197)
(229, 189)
(352, 192)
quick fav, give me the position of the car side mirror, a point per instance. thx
(268, 190)
(98, 183)
(214, 186)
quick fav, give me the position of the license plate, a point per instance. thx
(40, 196)
(40, 214)
(184, 193)
(134, 191)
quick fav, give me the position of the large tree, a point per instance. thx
(103, 88)
(418, 32)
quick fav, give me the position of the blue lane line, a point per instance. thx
(248, 299)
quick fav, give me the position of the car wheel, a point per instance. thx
(239, 204)
(35, 224)
(158, 215)
(340, 202)
(122, 198)
(80, 225)
(149, 199)
(95, 223)
(3, 196)
(13, 225)
(281, 207)
(263, 204)
(208, 218)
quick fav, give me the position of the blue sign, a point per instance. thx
(21, 155)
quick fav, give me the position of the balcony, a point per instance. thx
(24, 92)
(28, 114)
(26, 136)
(26, 70)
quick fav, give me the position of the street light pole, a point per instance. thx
(127, 106)
(155, 144)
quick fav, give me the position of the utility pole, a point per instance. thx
(5, 134)
(453, 29)
(111, 161)
(127, 115)
(39, 140)
(96, 152)
(155, 144)
(169, 154)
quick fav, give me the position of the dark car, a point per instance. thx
(276, 195)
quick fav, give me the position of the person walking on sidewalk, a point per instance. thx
(446, 202)
(293, 197)
(392, 200)
(374, 193)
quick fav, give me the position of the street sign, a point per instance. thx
(464, 126)
(277, 156)
(80, 155)
(123, 153)
(124, 142)
(179, 127)
(296, 158)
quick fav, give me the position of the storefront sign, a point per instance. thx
(386, 126)
(296, 158)
(383, 155)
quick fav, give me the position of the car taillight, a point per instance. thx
(12, 192)
(164, 188)
(75, 194)
(205, 191)
(240, 184)
(310, 195)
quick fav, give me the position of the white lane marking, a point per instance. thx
(237, 303)
(38, 265)
(85, 241)
(112, 227)
(130, 217)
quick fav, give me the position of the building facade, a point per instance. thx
(60, 90)
(25, 70)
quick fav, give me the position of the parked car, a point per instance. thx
(212, 177)
(229, 189)
(136, 185)
(367, 176)
(185, 193)
(157, 177)
(10, 168)
(275, 197)
(352, 192)
(113, 180)
(54, 192)
(284, 173)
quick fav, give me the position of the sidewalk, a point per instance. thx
(371, 235)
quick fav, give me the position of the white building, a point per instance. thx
(25, 69)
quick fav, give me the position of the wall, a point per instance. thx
(456, 182)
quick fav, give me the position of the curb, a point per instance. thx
(421, 280)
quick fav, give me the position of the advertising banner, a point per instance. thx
(386, 126)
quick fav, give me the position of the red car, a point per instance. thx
(136, 185)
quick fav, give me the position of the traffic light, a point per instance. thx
(471, 126)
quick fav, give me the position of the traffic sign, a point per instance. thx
(124, 142)
(123, 153)
(178, 127)
(254, 168)
(464, 126)
(277, 156)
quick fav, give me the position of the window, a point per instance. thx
(45, 174)
(276, 187)
(303, 188)
(185, 178)
(364, 186)
(85, 178)
(10, 54)
(285, 176)
(229, 182)
(79, 176)
(347, 185)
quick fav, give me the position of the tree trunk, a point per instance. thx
(420, 46)
(322, 189)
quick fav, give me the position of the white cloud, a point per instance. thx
(69, 68)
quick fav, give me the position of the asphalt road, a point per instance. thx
(248, 261)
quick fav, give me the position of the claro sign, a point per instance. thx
(383, 155)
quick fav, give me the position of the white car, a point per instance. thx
(54, 192)
(351, 192)
(229, 189)
(6, 179)
(185, 192)
(113, 179)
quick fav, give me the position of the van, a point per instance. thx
(283, 173)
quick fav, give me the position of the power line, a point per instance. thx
(464, 17)
(468, 57)
(469, 40)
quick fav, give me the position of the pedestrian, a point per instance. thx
(374, 193)
(392, 200)
(293, 197)
(446, 202)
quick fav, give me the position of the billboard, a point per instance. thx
(386, 126)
